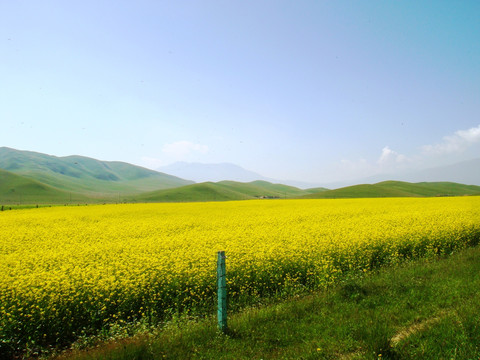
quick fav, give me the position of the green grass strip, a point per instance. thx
(426, 309)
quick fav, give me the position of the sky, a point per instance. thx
(313, 91)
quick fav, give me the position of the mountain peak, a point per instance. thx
(214, 172)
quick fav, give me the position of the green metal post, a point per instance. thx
(222, 292)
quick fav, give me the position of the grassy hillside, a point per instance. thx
(232, 190)
(261, 188)
(197, 192)
(84, 175)
(316, 190)
(16, 189)
(223, 190)
(432, 188)
(77, 178)
(398, 189)
(426, 309)
(280, 189)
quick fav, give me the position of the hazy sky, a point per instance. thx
(307, 90)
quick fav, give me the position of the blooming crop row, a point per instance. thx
(70, 271)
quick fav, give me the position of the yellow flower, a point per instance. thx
(121, 262)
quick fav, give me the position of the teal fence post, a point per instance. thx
(222, 292)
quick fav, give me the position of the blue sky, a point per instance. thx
(313, 91)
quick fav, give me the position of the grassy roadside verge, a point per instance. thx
(426, 309)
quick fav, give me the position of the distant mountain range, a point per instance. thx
(397, 189)
(30, 177)
(199, 173)
(225, 190)
(210, 172)
(465, 172)
(84, 176)
(232, 190)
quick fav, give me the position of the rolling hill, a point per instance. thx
(85, 175)
(464, 172)
(31, 177)
(207, 191)
(398, 189)
(223, 190)
(200, 172)
(261, 188)
(18, 189)
(231, 190)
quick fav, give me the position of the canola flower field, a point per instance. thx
(67, 272)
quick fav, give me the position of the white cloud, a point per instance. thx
(460, 146)
(180, 150)
(389, 156)
(456, 143)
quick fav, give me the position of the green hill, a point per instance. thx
(94, 180)
(84, 175)
(207, 191)
(316, 190)
(398, 189)
(259, 188)
(223, 190)
(16, 189)
(432, 188)
(232, 190)
(34, 177)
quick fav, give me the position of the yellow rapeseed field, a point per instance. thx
(70, 271)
